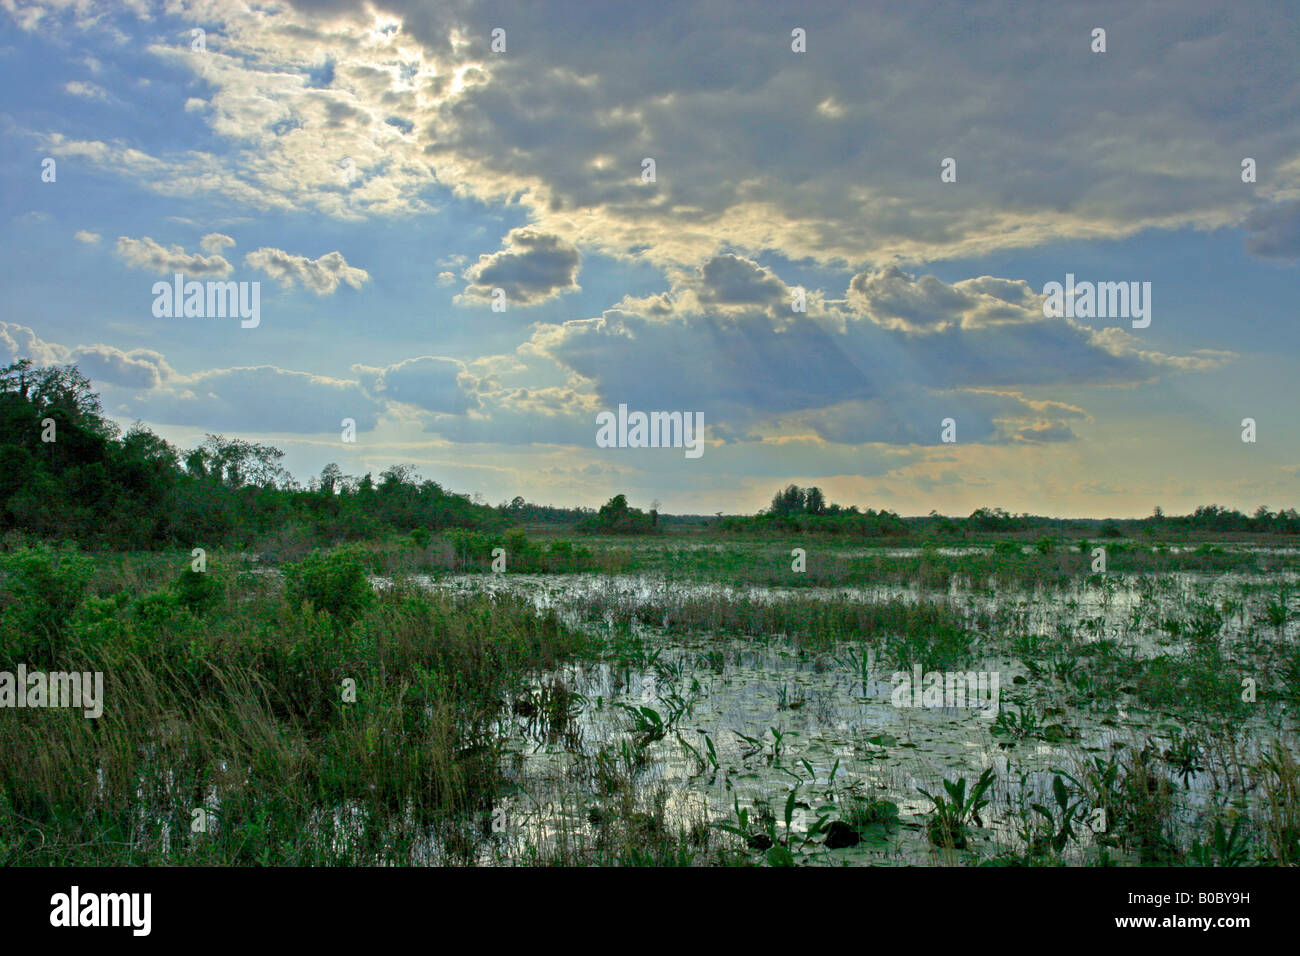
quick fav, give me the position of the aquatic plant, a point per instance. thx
(1223, 847)
(1055, 829)
(948, 823)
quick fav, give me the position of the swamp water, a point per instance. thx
(681, 731)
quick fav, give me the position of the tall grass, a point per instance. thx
(242, 711)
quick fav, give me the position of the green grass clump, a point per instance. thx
(305, 731)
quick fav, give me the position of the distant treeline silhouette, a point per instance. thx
(68, 473)
(803, 510)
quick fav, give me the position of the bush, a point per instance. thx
(472, 545)
(152, 614)
(522, 554)
(617, 517)
(198, 591)
(334, 582)
(42, 589)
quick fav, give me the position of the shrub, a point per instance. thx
(41, 590)
(472, 545)
(198, 591)
(153, 612)
(334, 582)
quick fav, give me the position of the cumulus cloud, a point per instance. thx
(885, 364)
(468, 404)
(89, 238)
(20, 342)
(139, 383)
(895, 299)
(524, 415)
(147, 254)
(807, 154)
(214, 242)
(531, 267)
(106, 364)
(87, 91)
(322, 275)
(434, 384)
(137, 368)
(733, 280)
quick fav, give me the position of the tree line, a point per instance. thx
(67, 472)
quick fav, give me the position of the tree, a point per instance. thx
(240, 463)
(331, 478)
(94, 485)
(617, 517)
(58, 390)
(614, 510)
(398, 475)
(814, 501)
(791, 500)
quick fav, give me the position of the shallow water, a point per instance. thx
(840, 735)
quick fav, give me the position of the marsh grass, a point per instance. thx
(932, 634)
(225, 693)
(237, 708)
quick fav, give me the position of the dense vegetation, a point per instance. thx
(259, 707)
(67, 473)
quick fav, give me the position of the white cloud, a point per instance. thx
(895, 299)
(20, 342)
(884, 365)
(87, 91)
(138, 368)
(214, 242)
(145, 253)
(103, 364)
(321, 275)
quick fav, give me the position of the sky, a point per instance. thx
(839, 257)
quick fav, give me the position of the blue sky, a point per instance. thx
(380, 170)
